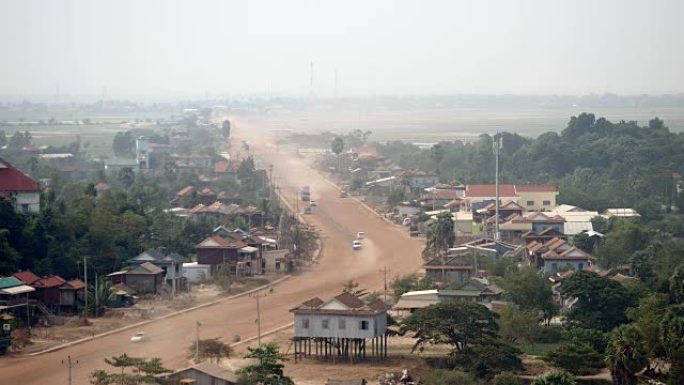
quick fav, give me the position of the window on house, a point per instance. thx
(305, 323)
(546, 203)
(325, 323)
(342, 324)
(530, 203)
(580, 266)
(554, 266)
(364, 325)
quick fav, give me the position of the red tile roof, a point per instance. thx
(51, 281)
(444, 195)
(185, 191)
(74, 284)
(12, 179)
(350, 300)
(26, 276)
(506, 190)
(489, 190)
(225, 243)
(313, 303)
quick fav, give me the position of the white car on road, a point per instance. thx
(139, 337)
(356, 245)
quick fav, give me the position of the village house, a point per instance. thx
(343, 326)
(205, 373)
(229, 252)
(531, 197)
(577, 220)
(478, 290)
(227, 170)
(145, 278)
(13, 293)
(170, 263)
(207, 196)
(56, 293)
(451, 269)
(438, 198)
(543, 236)
(18, 189)
(418, 180)
(557, 255)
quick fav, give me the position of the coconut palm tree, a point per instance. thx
(440, 236)
(555, 377)
(626, 354)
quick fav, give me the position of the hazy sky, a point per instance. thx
(375, 46)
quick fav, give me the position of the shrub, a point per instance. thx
(449, 377)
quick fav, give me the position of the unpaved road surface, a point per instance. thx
(338, 219)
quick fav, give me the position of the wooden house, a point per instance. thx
(343, 326)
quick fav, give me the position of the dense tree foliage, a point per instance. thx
(458, 324)
(141, 371)
(597, 163)
(626, 354)
(530, 291)
(440, 236)
(268, 370)
(601, 303)
(471, 330)
(109, 229)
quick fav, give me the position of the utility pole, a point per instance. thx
(197, 341)
(385, 270)
(85, 278)
(97, 299)
(70, 364)
(497, 150)
(258, 296)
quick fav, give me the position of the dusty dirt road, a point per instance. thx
(338, 219)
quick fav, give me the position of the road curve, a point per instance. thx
(338, 220)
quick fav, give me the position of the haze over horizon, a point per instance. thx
(372, 48)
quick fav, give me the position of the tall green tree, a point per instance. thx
(677, 285)
(458, 324)
(142, 371)
(269, 370)
(212, 348)
(647, 317)
(225, 128)
(626, 354)
(440, 236)
(530, 291)
(517, 325)
(601, 302)
(672, 337)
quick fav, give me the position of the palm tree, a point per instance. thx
(337, 146)
(626, 354)
(440, 236)
(555, 377)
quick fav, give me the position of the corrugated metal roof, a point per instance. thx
(9, 282)
(17, 290)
